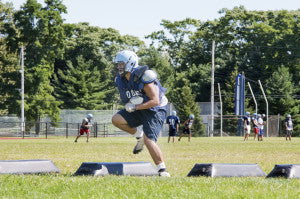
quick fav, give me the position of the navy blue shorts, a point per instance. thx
(186, 131)
(172, 132)
(152, 121)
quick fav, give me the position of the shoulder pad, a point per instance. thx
(149, 76)
(139, 72)
(85, 120)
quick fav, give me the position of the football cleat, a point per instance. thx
(139, 145)
(163, 173)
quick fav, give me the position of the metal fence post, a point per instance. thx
(96, 129)
(278, 125)
(67, 130)
(78, 128)
(46, 130)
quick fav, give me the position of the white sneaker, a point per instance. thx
(163, 173)
(139, 145)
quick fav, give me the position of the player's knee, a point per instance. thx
(115, 120)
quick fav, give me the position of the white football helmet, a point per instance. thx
(191, 116)
(89, 116)
(173, 113)
(129, 58)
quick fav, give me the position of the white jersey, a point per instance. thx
(260, 122)
(289, 124)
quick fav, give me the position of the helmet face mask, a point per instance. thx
(125, 61)
(120, 67)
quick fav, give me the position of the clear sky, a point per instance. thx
(142, 17)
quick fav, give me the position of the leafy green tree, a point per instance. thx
(281, 87)
(41, 31)
(9, 75)
(81, 87)
(174, 40)
(97, 47)
(229, 125)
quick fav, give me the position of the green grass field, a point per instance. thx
(180, 157)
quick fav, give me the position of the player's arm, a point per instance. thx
(151, 90)
(264, 122)
(184, 124)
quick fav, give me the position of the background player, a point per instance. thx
(261, 124)
(247, 126)
(85, 127)
(255, 125)
(173, 123)
(187, 125)
(288, 127)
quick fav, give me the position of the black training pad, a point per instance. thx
(27, 167)
(226, 170)
(285, 170)
(116, 168)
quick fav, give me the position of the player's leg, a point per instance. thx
(170, 134)
(119, 121)
(122, 119)
(154, 150)
(87, 136)
(78, 136)
(188, 131)
(156, 155)
(255, 133)
(152, 127)
(182, 134)
(122, 124)
(81, 132)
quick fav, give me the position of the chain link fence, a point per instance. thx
(102, 126)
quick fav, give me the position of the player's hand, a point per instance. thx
(130, 107)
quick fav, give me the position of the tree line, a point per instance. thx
(70, 66)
